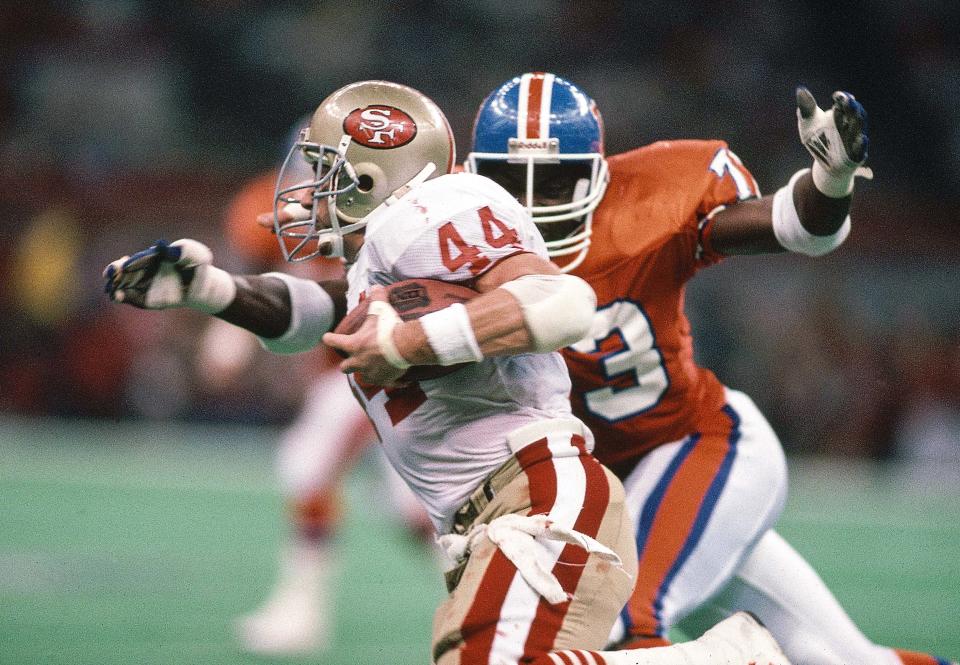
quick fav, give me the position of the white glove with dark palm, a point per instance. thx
(165, 275)
(836, 138)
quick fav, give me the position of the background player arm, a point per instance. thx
(263, 303)
(286, 312)
(747, 227)
(810, 214)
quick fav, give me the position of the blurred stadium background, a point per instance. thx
(139, 507)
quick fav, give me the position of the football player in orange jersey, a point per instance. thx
(704, 472)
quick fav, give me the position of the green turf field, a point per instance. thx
(138, 544)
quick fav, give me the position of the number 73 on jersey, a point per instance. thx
(622, 342)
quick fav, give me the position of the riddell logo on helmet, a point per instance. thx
(533, 146)
(380, 127)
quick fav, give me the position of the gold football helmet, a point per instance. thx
(366, 141)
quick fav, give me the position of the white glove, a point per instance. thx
(177, 274)
(836, 138)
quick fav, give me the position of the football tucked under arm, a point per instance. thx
(412, 299)
(518, 312)
(532, 312)
(522, 305)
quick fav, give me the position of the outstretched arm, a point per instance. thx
(262, 303)
(289, 314)
(810, 214)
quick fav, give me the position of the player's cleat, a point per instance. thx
(744, 634)
(295, 619)
(737, 640)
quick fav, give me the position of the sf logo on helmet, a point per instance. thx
(380, 127)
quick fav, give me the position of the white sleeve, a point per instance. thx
(789, 230)
(311, 315)
(557, 309)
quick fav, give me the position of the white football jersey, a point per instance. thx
(445, 435)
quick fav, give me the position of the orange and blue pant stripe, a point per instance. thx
(674, 517)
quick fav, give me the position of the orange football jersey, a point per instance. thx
(257, 245)
(635, 382)
(250, 241)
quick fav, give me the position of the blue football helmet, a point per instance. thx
(539, 119)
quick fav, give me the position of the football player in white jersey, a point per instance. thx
(542, 551)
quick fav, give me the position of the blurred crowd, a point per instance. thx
(122, 121)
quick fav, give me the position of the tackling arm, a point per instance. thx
(810, 214)
(289, 314)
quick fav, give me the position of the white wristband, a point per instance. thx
(387, 320)
(451, 336)
(831, 184)
(211, 290)
(790, 232)
(311, 315)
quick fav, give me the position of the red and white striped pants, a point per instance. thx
(492, 616)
